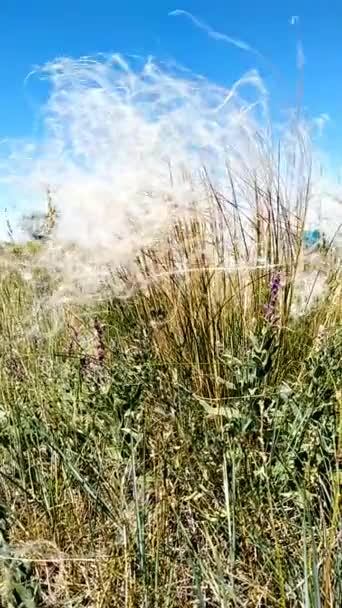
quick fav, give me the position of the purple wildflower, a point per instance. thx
(270, 307)
(275, 285)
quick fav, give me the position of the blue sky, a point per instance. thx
(33, 32)
(37, 31)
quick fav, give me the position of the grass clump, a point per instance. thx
(181, 447)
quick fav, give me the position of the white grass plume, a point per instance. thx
(129, 146)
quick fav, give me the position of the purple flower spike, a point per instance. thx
(270, 307)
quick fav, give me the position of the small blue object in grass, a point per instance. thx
(311, 237)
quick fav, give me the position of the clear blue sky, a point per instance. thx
(35, 31)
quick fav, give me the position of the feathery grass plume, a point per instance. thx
(129, 148)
